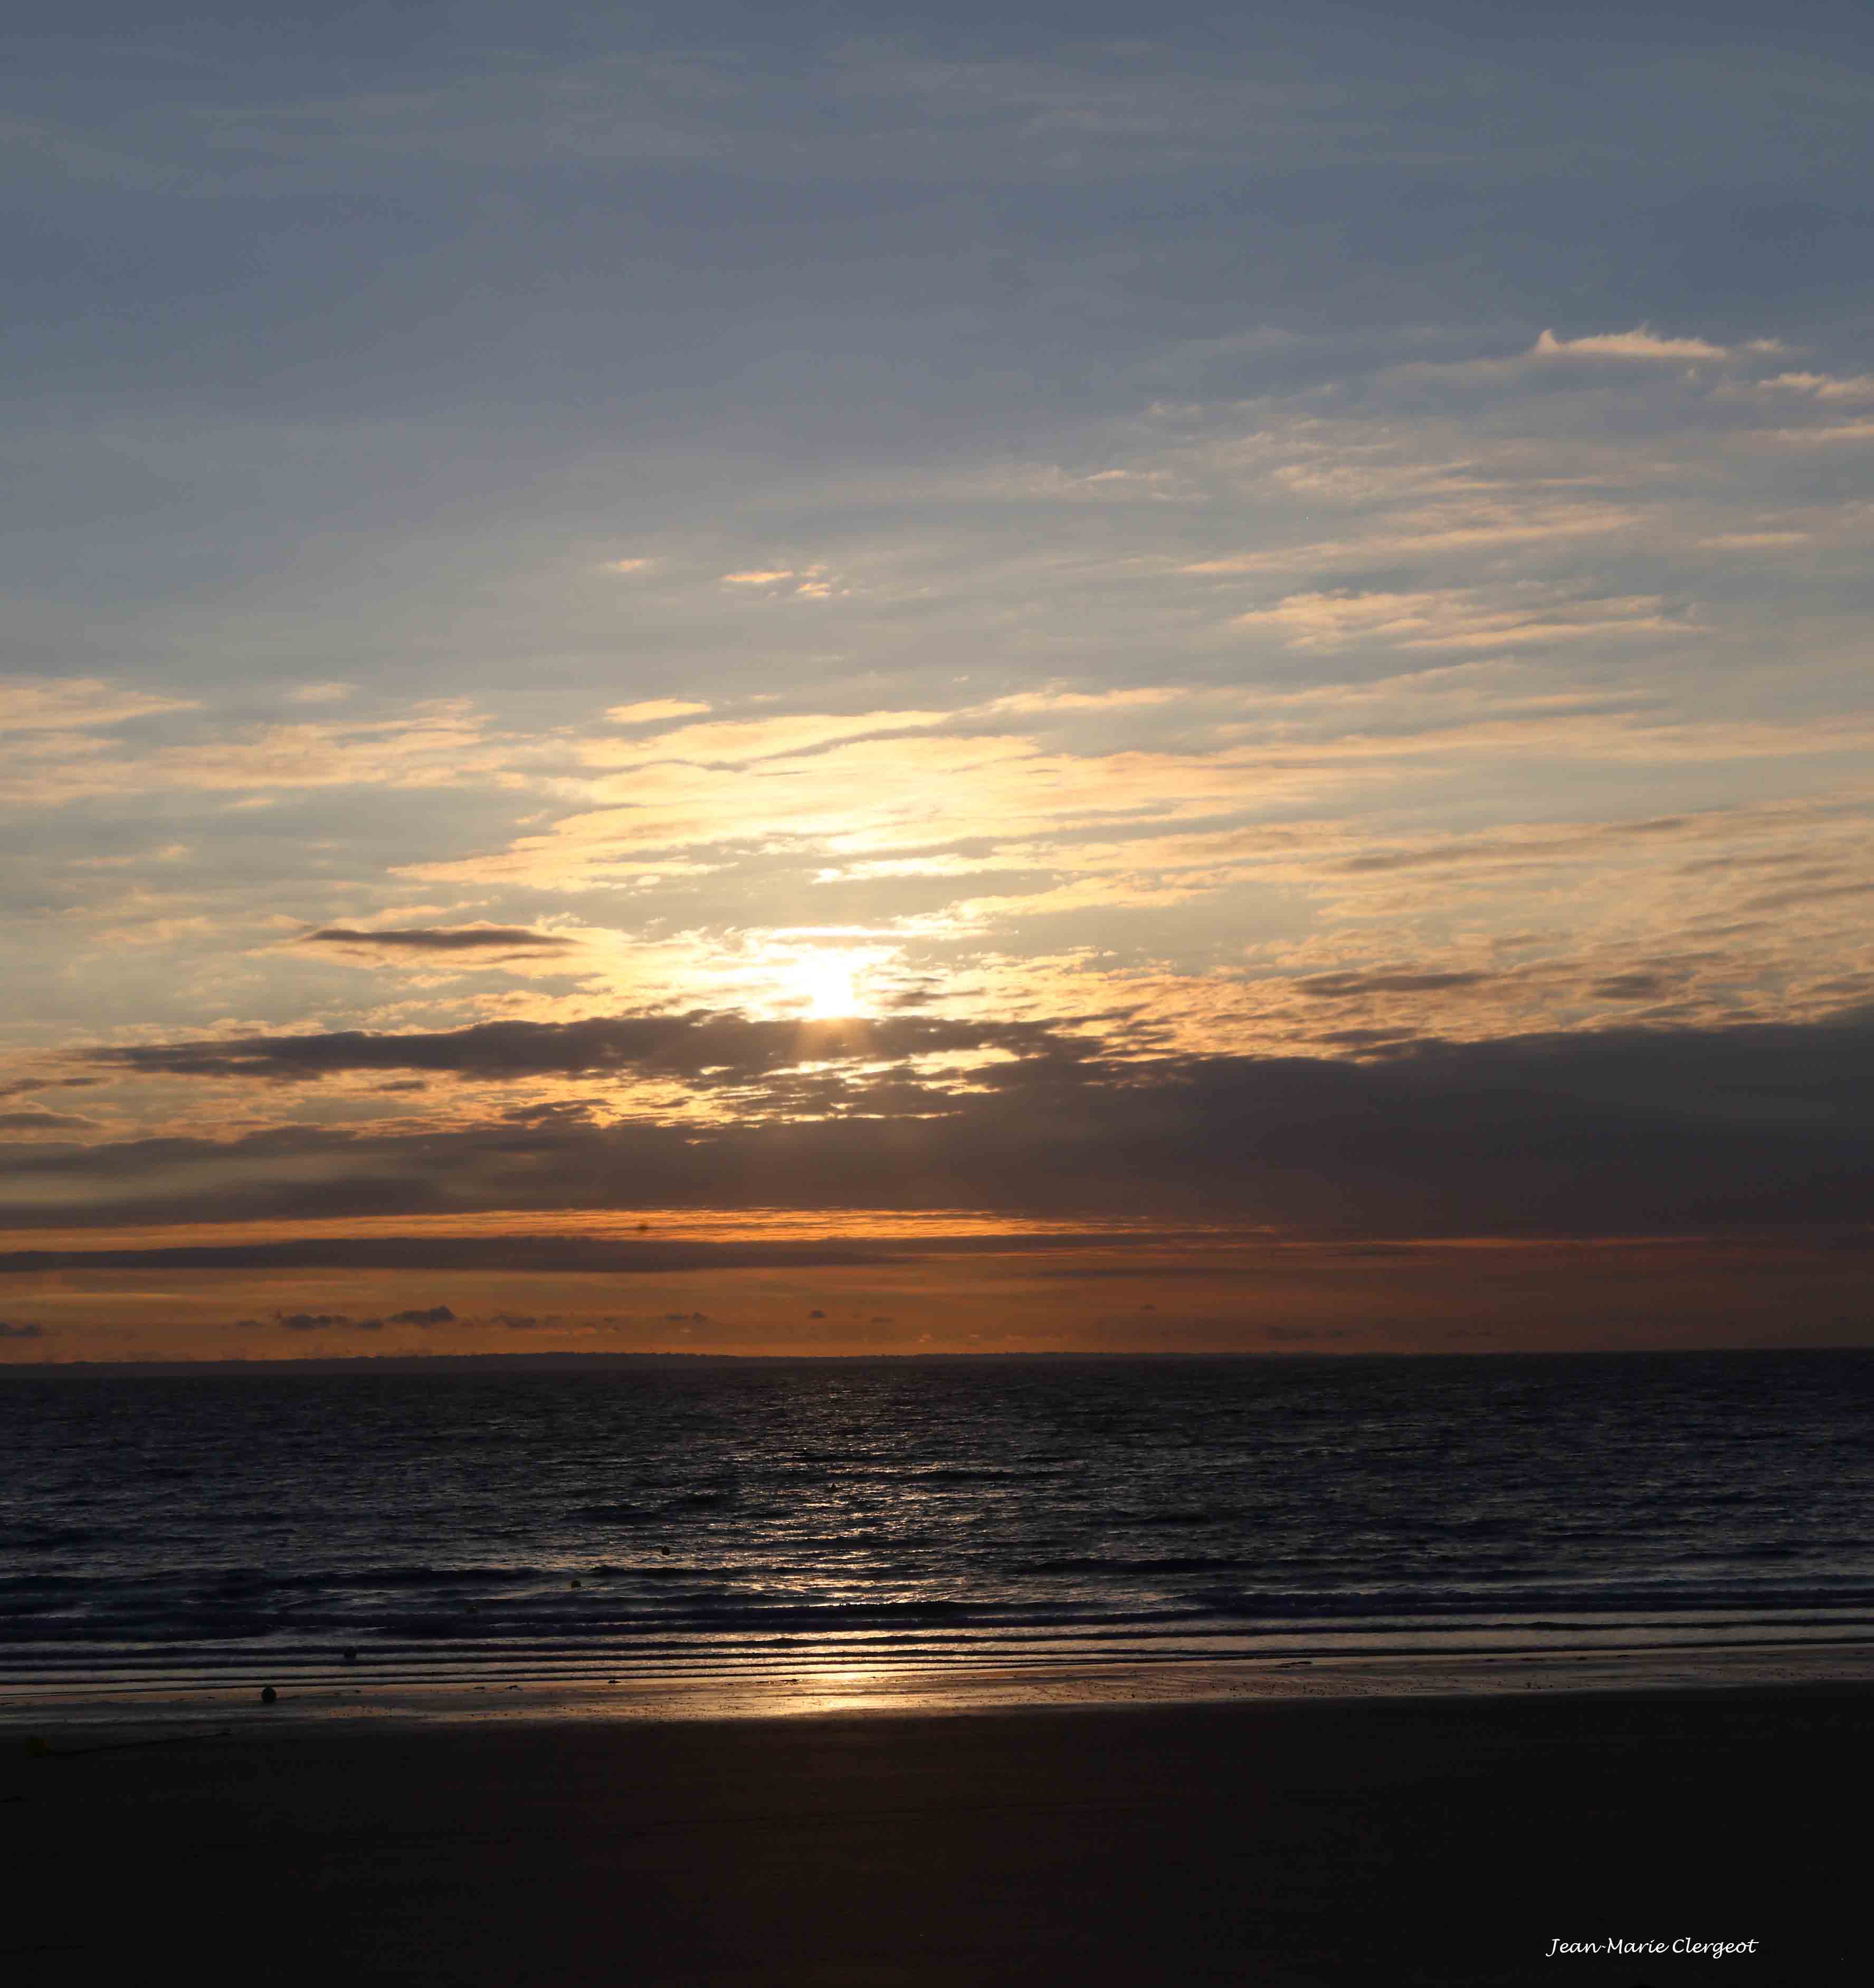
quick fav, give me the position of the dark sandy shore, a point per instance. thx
(1445, 1841)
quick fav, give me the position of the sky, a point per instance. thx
(834, 679)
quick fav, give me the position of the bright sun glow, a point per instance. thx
(828, 981)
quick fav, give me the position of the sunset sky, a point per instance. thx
(908, 678)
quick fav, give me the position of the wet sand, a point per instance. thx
(1439, 1840)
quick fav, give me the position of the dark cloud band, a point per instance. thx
(443, 939)
(1619, 1132)
(443, 1253)
(676, 1045)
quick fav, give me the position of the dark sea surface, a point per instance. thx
(724, 1518)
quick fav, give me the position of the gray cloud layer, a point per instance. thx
(443, 938)
(1621, 1131)
(438, 1253)
(676, 1045)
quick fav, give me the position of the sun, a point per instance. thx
(828, 985)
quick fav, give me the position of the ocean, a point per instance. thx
(728, 1518)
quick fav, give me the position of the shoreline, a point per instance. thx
(349, 1694)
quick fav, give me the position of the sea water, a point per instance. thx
(728, 1518)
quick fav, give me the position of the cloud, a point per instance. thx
(439, 742)
(439, 938)
(653, 711)
(1637, 986)
(1344, 986)
(591, 1254)
(1621, 1130)
(170, 852)
(1822, 386)
(1469, 851)
(59, 704)
(1750, 541)
(329, 1321)
(1641, 342)
(821, 790)
(13, 1331)
(671, 1045)
(1466, 526)
(1824, 438)
(41, 1121)
(1811, 893)
(1521, 614)
(1052, 700)
(809, 583)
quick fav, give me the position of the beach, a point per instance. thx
(1445, 1838)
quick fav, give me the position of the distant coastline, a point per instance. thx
(581, 1363)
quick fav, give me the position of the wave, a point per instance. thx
(635, 1605)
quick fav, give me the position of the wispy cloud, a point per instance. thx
(1641, 342)
(1822, 386)
(438, 743)
(653, 710)
(31, 704)
(1509, 617)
